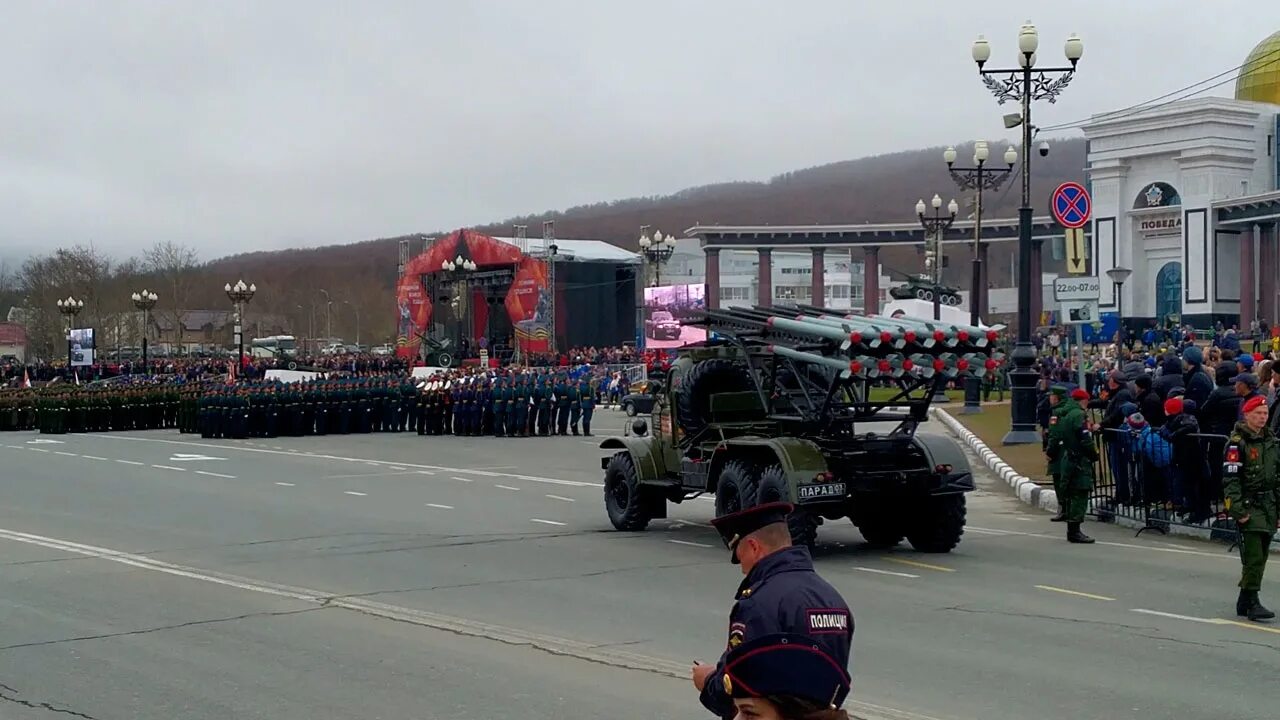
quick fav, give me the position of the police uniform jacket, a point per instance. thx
(1249, 478)
(783, 594)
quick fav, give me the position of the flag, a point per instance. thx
(26, 379)
(77, 373)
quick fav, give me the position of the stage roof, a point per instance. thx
(583, 250)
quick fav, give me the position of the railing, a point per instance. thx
(1142, 477)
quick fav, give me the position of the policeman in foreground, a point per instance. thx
(781, 593)
(1072, 452)
(1252, 490)
(785, 677)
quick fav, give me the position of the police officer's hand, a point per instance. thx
(699, 674)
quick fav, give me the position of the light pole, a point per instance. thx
(552, 251)
(455, 271)
(978, 178)
(70, 308)
(657, 251)
(144, 301)
(1025, 84)
(1118, 275)
(936, 226)
(356, 308)
(328, 315)
(240, 294)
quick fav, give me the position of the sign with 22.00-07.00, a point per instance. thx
(1076, 288)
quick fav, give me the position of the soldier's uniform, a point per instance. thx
(519, 410)
(501, 399)
(1072, 451)
(1057, 406)
(781, 594)
(587, 399)
(546, 404)
(561, 393)
(1252, 491)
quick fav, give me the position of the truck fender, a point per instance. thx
(801, 459)
(942, 450)
(645, 454)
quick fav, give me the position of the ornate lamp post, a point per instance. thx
(657, 251)
(1118, 276)
(1024, 84)
(978, 178)
(240, 294)
(552, 251)
(934, 228)
(70, 308)
(455, 272)
(144, 301)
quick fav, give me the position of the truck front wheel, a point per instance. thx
(624, 496)
(937, 524)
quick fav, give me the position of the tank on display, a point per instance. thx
(922, 287)
(774, 407)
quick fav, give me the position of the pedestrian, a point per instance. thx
(1071, 447)
(785, 677)
(781, 593)
(1251, 488)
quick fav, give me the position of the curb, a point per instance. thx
(1027, 491)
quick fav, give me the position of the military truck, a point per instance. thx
(774, 408)
(922, 287)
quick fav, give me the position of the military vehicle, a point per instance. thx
(770, 410)
(922, 287)
(437, 352)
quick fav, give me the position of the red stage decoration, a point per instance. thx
(529, 306)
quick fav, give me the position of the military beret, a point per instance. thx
(786, 665)
(1079, 394)
(1253, 403)
(735, 526)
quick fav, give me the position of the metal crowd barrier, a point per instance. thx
(1162, 484)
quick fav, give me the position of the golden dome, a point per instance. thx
(1260, 77)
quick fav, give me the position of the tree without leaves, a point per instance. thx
(173, 266)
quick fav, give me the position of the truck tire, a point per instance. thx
(879, 530)
(736, 488)
(693, 402)
(938, 524)
(804, 528)
(623, 494)
(773, 486)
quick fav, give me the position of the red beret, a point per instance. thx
(1253, 403)
(1173, 406)
(1079, 394)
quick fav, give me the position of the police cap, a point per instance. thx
(735, 526)
(787, 665)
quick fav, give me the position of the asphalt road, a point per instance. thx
(155, 575)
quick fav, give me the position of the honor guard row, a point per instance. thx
(517, 405)
(59, 409)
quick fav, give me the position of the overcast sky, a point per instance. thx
(243, 124)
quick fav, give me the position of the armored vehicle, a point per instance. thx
(776, 407)
(922, 287)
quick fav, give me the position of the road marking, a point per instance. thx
(285, 484)
(915, 563)
(1076, 593)
(214, 474)
(1209, 621)
(38, 449)
(561, 497)
(93, 457)
(189, 457)
(15, 447)
(169, 467)
(65, 454)
(1131, 546)
(426, 472)
(353, 492)
(1171, 616)
(393, 467)
(878, 571)
(130, 462)
(1020, 518)
(506, 487)
(42, 441)
(276, 447)
(459, 479)
(1247, 625)
(442, 507)
(546, 522)
(366, 475)
(690, 543)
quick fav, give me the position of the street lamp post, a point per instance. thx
(657, 251)
(552, 250)
(455, 271)
(328, 316)
(240, 294)
(1118, 276)
(144, 301)
(935, 227)
(356, 308)
(1024, 84)
(70, 308)
(978, 178)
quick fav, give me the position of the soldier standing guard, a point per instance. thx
(1252, 492)
(545, 408)
(519, 409)
(588, 401)
(1057, 407)
(575, 405)
(1072, 452)
(781, 593)
(561, 394)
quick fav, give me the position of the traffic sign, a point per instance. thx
(1078, 312)
(1071, 205)
(1076, 254)
(1066, 289)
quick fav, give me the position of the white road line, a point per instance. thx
(1131, 546)
(878, 571)
(169, 467)
(366, 475)
(214, 474)
(690, 543)
(442, 507)
(93, 457)
(38, 450)
(353, 492)
(129, 462)
(16, 447)
(276, 447)
(1173, 616)
(459, 479)
(425, 472)
(285, 484)
(561, 497)
(506, 487)
(66, 454)
(1076, 593)
(545, 522)
(394, 467)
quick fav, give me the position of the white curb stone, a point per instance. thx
(1026, 490)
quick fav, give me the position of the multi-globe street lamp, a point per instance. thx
(1024, 84)
(240, 294)
(144, 301)
(455, 272)
(978, 178)
(935, 226)
(657, 251)
(70, 308)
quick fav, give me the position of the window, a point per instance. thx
(735, 293)
(793, 292)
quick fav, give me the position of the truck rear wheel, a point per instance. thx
(802, 523)
(879, 530)
(623, 494)
(804, 528)
(938, 524)
(736, 488)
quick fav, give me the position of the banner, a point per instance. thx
(414, 312)
(529, 306)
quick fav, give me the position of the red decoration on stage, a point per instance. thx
(529, 306)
